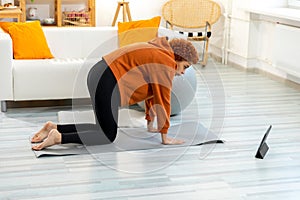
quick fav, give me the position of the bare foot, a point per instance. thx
(54, 137)
(43, 133)
(167, 140)
(173, 141)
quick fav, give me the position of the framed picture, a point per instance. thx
(7, 3)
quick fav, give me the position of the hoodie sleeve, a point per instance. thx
(161, 85)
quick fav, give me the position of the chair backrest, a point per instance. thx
(191, 13)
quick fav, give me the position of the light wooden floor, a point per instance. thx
(235, 104)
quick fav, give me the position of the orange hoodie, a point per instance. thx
(145, 71)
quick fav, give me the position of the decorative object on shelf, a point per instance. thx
(7, 3)
(32, 13)
(11, 7)
(126, 12)
(48, 21)
(76, 18)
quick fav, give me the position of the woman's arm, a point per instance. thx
(150, 115)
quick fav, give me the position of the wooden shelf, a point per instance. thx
(74, 23)
(58, 13)
(12, 13)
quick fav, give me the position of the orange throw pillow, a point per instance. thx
(6, 25)
(138, 31)
(29, 41)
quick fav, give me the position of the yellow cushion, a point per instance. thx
(29, 41)
(6, 25)
(138, 31)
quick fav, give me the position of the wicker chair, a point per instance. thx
(185, 16)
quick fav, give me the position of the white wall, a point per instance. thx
(139, 9)
(253, 40)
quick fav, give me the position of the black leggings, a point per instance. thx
(105, 97)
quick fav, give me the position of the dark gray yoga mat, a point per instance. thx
(130, 139)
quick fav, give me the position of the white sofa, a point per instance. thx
(42, 79)
(64, 77)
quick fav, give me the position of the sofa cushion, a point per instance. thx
(138, 31)
(49, 79)
(29, 41)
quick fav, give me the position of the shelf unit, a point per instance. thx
(63, 18)
(14, 14)
(22, 5)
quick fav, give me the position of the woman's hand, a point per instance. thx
(170, 141)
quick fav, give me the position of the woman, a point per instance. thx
(134, 73)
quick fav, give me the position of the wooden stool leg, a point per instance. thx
(128, 12)
(116, 15)
(124, 13)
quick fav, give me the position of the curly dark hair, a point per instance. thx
(184, 50)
